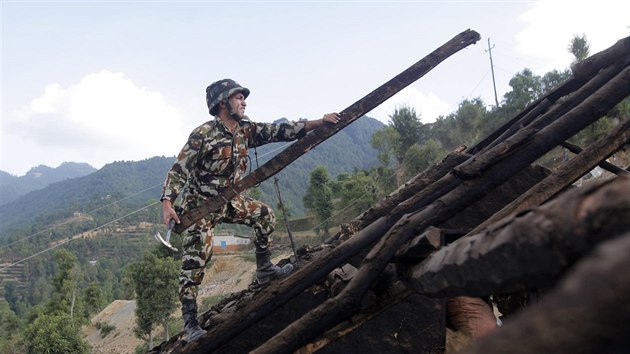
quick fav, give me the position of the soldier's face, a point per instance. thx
(237, 101)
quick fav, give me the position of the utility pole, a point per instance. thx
(496, 100)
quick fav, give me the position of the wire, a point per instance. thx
(75, 236)
(353, 202)
(69, 220)
(479, 83)
(278, 148)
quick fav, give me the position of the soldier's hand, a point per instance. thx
(331, 118)
(168, 212)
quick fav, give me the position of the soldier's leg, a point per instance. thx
(259, 216)
(197, 247)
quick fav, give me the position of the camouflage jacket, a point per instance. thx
(213, 158)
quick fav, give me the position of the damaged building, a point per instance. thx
(486, 226)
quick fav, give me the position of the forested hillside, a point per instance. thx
(138, 182)
(12, 187)
(105, 222)
(60, 200)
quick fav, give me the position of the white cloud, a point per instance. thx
(551, 24)
(428, 106)
(102, 118)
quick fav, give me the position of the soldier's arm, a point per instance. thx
(327, 118)
(177, 176)
(270, 133)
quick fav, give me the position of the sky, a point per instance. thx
(105, 81)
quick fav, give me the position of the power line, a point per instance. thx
(73, 237)
(69, 220)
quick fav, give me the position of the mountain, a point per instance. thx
(122, 187)
(84, 194)
(13, 187)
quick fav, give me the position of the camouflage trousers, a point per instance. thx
(197, 240)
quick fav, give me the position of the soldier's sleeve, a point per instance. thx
(177, 176)
(270, 133)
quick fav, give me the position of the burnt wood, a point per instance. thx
(603, 163)
(523, 148)
(438, 201)
(565, 174)
(617, 55)
(325, 131)
(588, 312)
(528, 251)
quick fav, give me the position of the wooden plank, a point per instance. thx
(523, 148)
(565, 174)
(325, 131)
(587, 312)
(529, 251)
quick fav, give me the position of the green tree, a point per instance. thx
(318, 198)
(155, 282)
(385, 141)
(55, 333)
(579, 47)
(392, 142)
(10, 294)
(358, 192)
(66, 293)
(470, 117)
(526, 87)
(407, 124)
(9, 329)
(94, 299)
(420, 157)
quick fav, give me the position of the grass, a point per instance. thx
(104, 328)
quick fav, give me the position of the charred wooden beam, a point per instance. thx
(528, 251)
(325, 131)
(461, 223)
(420, 246)
(406, 191)
(269, 299)
(588, 312)
(603, 164)
(484, 173)
(565, 174)
(607, 57)
(617, 55)
(565, 105)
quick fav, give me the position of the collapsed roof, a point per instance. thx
(473, 225)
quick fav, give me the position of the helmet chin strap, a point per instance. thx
(231, 111)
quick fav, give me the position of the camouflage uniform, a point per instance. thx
(212, 160)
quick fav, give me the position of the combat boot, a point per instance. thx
(192, 330)
(267, 271)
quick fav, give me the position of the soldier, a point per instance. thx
(214, 158)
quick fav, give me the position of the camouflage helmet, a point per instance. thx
(222, 90)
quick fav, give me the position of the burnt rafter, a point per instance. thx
(492, 168)
(566, 173)
(348, 115)
(611, 59)
(603, 163)
(590, 306)
(533, 249)
(403, 220)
